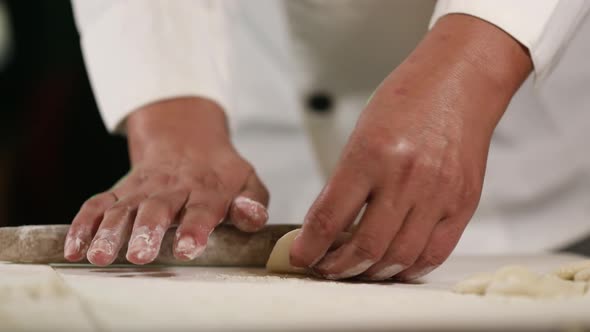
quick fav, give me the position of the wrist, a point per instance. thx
(495, 55)
(175, 125)
(465, 69)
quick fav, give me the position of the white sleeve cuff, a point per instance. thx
(543, 26)
(141, 51)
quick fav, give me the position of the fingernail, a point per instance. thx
(101, 246)
(101, 252)
(386, 272)
(419, 274)
(351, 272)
(140, 249)
(325, 265)
(252, 208)
(327, 261)
(187, 248)
(72, 246)
(144, 245)
(139, 242)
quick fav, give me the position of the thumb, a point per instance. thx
(248, 209)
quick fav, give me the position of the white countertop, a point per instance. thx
(207, 298)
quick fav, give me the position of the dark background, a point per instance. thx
(54, 149)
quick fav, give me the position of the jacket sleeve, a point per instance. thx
(141, 51)
(543, 26)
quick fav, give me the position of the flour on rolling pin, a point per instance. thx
(227, 246)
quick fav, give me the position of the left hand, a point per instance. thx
(416, 157)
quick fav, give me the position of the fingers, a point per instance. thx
(332, 212)
(154, 217)
(114, 230)
(85, 224)
(407, 245)
(201, 214)
(379, 224)
(248, 210)
(441, 243)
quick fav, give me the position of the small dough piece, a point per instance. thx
(520, 281)
(475, 284)
(569, 271)
(515, 272)
(513, 280)
(542, 287)
(278, 261)
(583, 275)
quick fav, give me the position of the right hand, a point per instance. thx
(184, 170)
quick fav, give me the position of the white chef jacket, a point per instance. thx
(268, 62)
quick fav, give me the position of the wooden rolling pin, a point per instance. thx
(227, 246)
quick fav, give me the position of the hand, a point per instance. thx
(184, 170)
(416, 158)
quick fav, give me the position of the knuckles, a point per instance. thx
(205, 209)
(207, 180)
(96, 203)
(157, 204)
(119, 209)
(439, 169)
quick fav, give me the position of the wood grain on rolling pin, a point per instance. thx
(227, 246)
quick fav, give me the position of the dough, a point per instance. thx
(583, 275)
(278, 261)
(569, 271)
(538, 287)
(475, 284)
(520, 281)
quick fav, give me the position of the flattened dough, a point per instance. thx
(278, 261)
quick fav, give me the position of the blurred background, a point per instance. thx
(54, 149)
